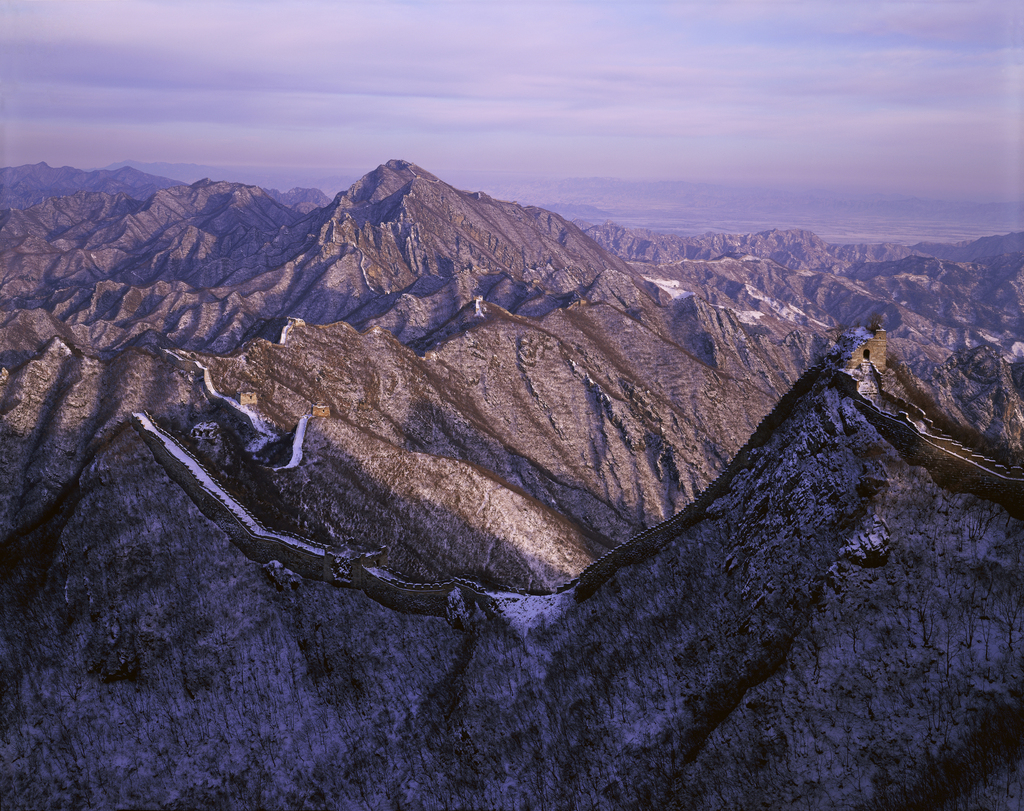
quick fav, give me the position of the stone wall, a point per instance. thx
(951, 465)
(948, 463)
(256, 547)
(368, 572)
(872, 350)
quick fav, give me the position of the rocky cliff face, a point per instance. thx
(984, 391)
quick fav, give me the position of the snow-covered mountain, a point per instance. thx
(830, 617)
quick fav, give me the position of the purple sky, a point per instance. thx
(916, 98)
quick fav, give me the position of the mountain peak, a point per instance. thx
(385, 180)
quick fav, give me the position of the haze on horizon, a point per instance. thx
(877, 97)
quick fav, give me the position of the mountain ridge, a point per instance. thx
(816, 607)
(744, 619)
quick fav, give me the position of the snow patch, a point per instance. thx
(749, 316)
(870, 546)
(782, 310)
(524, 613)
(670, 286)
(300, 435)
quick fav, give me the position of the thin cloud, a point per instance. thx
(608, 87)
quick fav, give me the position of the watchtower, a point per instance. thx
(870, 351)
(247, 398)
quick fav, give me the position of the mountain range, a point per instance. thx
(481, 390)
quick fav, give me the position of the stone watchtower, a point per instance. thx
(870, 351)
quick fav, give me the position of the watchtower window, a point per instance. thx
(867, 354)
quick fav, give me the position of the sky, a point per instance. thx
(923, 98)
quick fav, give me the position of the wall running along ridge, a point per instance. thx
(310, 559)
(950, 465)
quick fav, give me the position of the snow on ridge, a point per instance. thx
(525, 612)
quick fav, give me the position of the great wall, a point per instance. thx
(310, 559)
(852, 368)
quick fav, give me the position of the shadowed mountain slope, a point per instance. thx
(493, 395)
(826, 579)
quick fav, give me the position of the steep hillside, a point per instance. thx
(614, 432)
(828, 627)
(302, 200)
(795, 249)
(931, 307)
(755, 583)
(980, 388)
(973, 250)
(538, 356)
(601, 423)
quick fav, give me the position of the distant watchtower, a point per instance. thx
(870, 351)
(247, 398)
